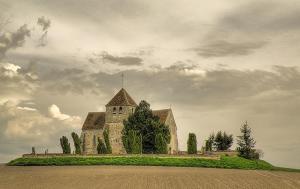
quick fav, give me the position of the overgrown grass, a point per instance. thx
(225, 162)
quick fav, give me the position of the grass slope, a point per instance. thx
(224, 162)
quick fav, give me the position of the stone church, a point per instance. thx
(118, 109)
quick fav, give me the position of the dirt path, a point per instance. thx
(142, 177)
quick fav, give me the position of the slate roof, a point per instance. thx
(122, 98)
(94, 120)
(162, 114)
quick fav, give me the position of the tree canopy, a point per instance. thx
(101, 148)
(223, 141)
(246, 143)
(77, 143)
(147, 126)
(106, 140)
(192, 144)
(65, 145)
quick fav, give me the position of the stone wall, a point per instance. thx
(115, 137)
(173, 146)
(114, 117)
(90, 140)
(116, 114)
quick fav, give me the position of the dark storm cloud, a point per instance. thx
(214, 88)
(12, 40)
(105, 57)
(223, 48)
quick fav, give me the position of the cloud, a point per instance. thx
(44, 23)
(16, 83)
(12, 40)
(55, 112)
(222, 48)
(248, 27)
(119, 60)
(22, 127)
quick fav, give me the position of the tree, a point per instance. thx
(33, 150)
(101, 148)
(161, 145)
(106, 139)
(65, 145)
(134, 142)
(222, 141)
(192, 144)
(246, 143)
(146, 126)
(77, 143)
(209, 142)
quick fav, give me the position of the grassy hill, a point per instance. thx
(224, 162)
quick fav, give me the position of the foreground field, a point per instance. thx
(224, 162)
(106, 177)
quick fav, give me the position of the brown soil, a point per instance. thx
(142, 177)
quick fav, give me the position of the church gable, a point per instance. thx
(94, 120)
(122, 98)
(162, 114)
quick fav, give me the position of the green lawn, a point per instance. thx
(224, 162)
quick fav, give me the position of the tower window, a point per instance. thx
(114, 110)
(120, 110)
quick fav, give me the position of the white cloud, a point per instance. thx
(55, 112)
(26, 108)
(9, 70)
(24, 127)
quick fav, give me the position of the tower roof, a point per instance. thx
(122, 98)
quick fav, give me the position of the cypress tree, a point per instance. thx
(161, 144)
(101, 148)
(133, 142)
(77, 143)
(106, 139)
(65, 145)
(192, 144)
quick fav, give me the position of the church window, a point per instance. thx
(94, 140)
(120, 110)
(114, 110)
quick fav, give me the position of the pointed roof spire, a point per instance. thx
(122, 98)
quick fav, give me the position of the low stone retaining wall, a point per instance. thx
(206, 156)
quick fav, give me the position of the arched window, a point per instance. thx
(120, 109)
(114, 110)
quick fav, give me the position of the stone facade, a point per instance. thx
(118, 110)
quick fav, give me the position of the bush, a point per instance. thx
(192, 144)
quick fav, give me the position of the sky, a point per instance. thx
(216, 63)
